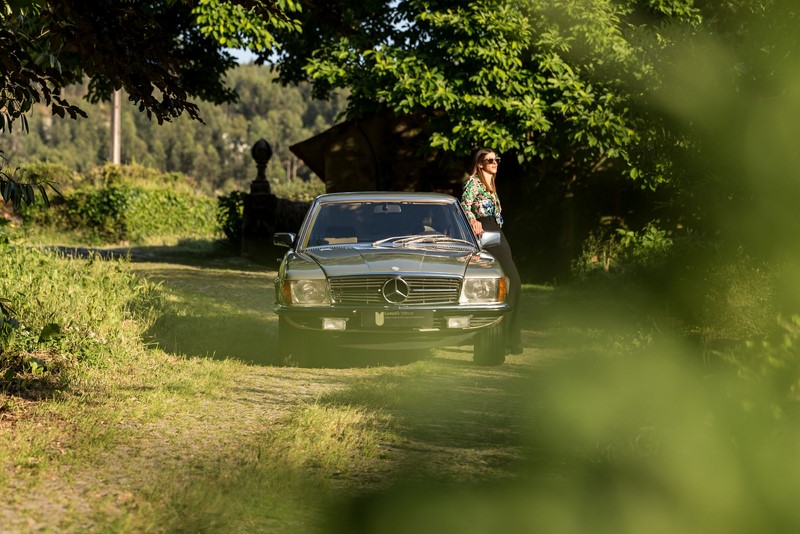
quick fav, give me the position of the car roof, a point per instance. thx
(385, 196)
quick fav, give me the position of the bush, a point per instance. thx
(115, 203)
(63, 178)
(774, 361)
(230, 209)
(290, 209)
(624, 252)
(738, 300)
(299, 190)
(123, 213)
(57, 311)
(718, 297)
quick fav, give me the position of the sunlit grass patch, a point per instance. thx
(335, 439)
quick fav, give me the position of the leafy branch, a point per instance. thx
(16, 192)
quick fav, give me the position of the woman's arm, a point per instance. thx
(470, 204)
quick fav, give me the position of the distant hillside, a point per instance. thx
(216, 154)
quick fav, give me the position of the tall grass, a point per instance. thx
(62, 311)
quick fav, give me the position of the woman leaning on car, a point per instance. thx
(483, 208)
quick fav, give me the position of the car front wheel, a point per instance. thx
(294, 345)
(489, 345)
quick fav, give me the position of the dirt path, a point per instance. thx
(210, 414)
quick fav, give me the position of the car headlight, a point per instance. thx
(305, 292)
(484, 290)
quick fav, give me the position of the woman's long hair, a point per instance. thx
(477, 158)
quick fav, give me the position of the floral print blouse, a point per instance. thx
(480, 202)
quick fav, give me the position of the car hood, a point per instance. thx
(344, 261)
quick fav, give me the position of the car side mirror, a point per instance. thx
(489, 239)
(283, 239)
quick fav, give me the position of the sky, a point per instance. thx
(242, 56)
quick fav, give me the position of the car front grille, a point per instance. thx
(421, 290)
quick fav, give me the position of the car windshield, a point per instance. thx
(394, 223)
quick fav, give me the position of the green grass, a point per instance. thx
(65, 312)
(334, 439)
(215, 312)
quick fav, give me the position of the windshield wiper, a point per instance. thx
(436, 239)
(396, 239)
(405, 240)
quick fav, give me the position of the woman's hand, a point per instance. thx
(477, 227)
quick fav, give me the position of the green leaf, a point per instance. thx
(49, 331)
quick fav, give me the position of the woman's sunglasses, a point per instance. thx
(491, 160)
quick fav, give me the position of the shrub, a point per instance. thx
(718, 297)
(624, 252)
(63, 178)
(290, 209)
(57, 311)
(773, 360)
(128, 203)
(738, 300)
(230, 208)
(299, 190)
(124, 213)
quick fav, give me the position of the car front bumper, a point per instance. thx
(386, 328)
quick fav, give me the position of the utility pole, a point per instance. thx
(116, 127)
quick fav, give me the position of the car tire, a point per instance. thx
(294, 345)
(489, 345)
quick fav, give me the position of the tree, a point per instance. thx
(562, 80)
(542, 79)
(164, 53)
(568, 81)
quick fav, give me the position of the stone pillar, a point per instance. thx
(261, 153)
(259, 210)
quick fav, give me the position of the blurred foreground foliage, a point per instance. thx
(645, 444)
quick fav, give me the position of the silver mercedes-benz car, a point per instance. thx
(388, 271)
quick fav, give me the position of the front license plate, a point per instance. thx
(397, 319)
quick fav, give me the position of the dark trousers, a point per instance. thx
(503, 253)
